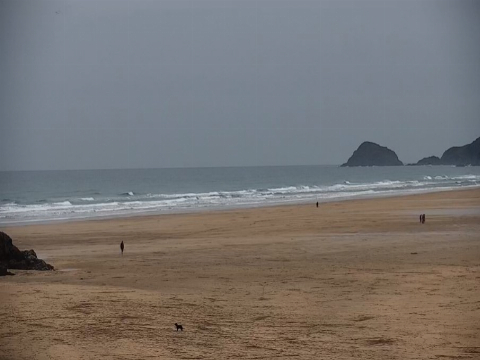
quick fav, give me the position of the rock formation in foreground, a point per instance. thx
(371, 154)
(12, 258)
(3, 270)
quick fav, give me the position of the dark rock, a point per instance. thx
(12, 258)
(3, 270)
(431, 160)
(8, 251)
(29, 254)
(463, 155)
(371, 154)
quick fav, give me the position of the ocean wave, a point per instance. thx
(130, 203)
(13, 203)
(283, 189)
(62, 203)
(447, 178)
(466, 177)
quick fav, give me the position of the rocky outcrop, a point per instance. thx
(371, 154)
(431, 160)
(457, 155)
(3, 270)
(463, 155)
(13, 258)
(7, 249)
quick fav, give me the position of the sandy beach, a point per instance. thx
(359, 279)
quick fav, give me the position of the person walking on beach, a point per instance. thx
(423, 219)
(122, 246)
(317, 203)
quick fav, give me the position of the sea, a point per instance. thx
(46, 196)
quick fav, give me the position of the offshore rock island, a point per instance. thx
(456, 155)
(371, 154)
(430, 160)
(463, 155)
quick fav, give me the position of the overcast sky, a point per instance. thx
(128, 84)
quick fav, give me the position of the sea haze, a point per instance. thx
(39, 196)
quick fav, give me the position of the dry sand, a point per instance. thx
(350, 280)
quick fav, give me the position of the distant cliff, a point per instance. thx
(457, 155)
(371, 154)
(463, 155)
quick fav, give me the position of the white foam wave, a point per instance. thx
(466, 177)
(245, 197)
(283, 189)
(447, 178)
(62, 203)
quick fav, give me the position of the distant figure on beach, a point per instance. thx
(421, 216)
(122, 247)
(423, 219)
(317, 203)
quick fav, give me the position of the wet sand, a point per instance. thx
(360, 279)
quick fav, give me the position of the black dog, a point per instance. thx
(179, 327)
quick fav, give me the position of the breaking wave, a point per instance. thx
(131, 203)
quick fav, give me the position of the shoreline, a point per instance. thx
(403, 207)
(221, 208)
(359, 277)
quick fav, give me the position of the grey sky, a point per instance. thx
(113, 84)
